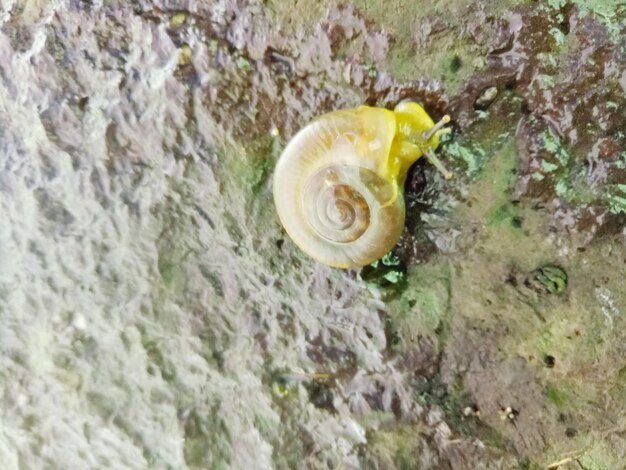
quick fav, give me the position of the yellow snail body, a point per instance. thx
(338, 185)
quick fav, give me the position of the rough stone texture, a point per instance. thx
(142, 311)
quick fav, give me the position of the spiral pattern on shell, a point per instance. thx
(336, 210)
(329, 195)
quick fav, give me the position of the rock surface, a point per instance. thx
(153, 314)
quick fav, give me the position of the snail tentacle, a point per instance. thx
(427, 135)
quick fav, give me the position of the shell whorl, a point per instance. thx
(336, 208)
(329, 193)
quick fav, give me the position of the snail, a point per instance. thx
(338, 183)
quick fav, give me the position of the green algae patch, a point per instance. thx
(608, 12)
(553, 144)
(600, 457)
(495, 184)
(552, 279)
(472, 155)
(502, 221)
(452, 62)
(490, 141)
(420, 46)
(172, 254)
(558, 396)
(423, 307)
(198, 428)
(406, 446)
(589, 453)
(250, 165)
(570, 397)
(506, 213)
(398, 448)
(297, 16)
(617, 199)
(580, 333)
(561, 170)
(385, 277)
(579, 323)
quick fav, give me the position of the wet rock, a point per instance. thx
(550, 279)
(137, 148)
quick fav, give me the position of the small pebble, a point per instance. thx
(486, 97)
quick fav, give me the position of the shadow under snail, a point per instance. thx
(338, 185)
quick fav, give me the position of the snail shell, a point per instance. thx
(337, 185)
